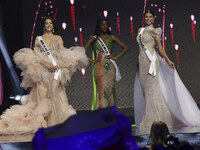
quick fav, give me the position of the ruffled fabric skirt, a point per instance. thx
(47, 103)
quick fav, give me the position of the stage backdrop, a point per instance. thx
(126, 17)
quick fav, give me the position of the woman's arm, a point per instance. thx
(163, 53)
(122, 45)
(87, 45)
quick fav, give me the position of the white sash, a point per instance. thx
(106, 51)
(57, 74)
(152, 58)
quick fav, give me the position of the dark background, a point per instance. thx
(18, 19)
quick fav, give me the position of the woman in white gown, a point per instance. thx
(47, 103)
(159, 94)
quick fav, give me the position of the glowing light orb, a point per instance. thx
(72, 2)
(75, 39)
(83, 71)
(192, 17)
(64, 25)
(176, 46)
(131, 18)
(105, 13)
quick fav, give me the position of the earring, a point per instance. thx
(53, 30)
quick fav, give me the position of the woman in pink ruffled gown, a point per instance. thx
(47, 103)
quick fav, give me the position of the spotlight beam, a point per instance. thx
(3, 48)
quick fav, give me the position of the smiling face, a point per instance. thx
(48, 25)
(104, 26)
(149, 19)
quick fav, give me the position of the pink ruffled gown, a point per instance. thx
(47, 103)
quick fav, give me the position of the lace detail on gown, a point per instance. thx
(156, 108)
(163, 97)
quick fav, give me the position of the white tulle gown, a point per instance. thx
(47, 103)
(163, 97)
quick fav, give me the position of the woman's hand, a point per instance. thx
(111, 57)
(97, 59)
(171, 64)
(53, 68)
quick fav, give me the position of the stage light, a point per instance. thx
(72, 2)
(171, 25)
(131, 27)
(83, 71)
(20, 98)
(14, 78)
(72, 13)
(76, 41)
(131, 18)
(81, 36)
(193, 22)
(105, 13)
(64, 25)
(176, 46)
(192, 17)
(118, 23)
(172, 33)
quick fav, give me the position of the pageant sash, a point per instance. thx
(57, 74)
(106, 51)
(152, 58)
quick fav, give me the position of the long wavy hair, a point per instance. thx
(41, 32)
(98, 31)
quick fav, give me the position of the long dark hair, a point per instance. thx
(41, 32)
(159, 133)
(98, 31)
(149, 11)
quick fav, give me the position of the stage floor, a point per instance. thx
(20, 142)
